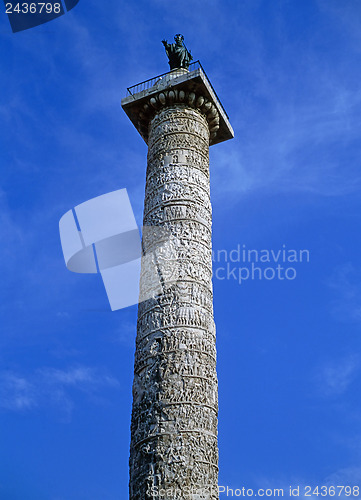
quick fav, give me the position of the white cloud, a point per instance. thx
(54, 387)
(346, 282)
(335, 377)
(80, 377)
(346, 476)
(16, 393)
(126, 333)
(296, 151)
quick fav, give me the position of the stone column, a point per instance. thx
(174, 453)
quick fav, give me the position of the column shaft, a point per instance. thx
(175, 406)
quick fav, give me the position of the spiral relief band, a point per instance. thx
(175, 383)
(173, 450)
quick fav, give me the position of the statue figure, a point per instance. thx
(178, 54)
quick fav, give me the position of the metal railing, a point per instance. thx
(147, 84)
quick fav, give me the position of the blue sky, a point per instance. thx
(289, 362)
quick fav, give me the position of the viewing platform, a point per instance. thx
(189, 86)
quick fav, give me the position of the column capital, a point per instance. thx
(178, 87)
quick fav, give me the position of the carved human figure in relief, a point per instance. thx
(178, 54)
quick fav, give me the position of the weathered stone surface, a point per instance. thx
(175, 404)
(174, 454)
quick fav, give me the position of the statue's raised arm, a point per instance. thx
(178, 54)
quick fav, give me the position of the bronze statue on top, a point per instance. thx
(178, 54)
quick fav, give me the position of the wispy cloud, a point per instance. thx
(126, 333)
(303, 149)
(83, 378)
(346, 283)
(53, 387)
(295, 111)
(16, 393)
(346, 476)
(335, 377)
